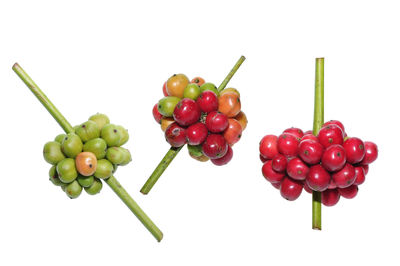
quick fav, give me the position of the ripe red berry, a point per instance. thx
(276, 185)
(279, 163)
(345, 177)
(196, 133)
(306, 187)
(355, 151)
(297, 169)
(360, 175)
(216, 122)
(366, 168)
(187, 112)
(310, 137)
(318, 178)
(332, 184)
(330, 197)
(333, 158)
(156, 114)
(336, 123)
(371, 153)
(330, 135)
(207, 101)
(297, 132)
(175, 135)
(308, 132)
(270, 174)
(215, 146)
(224, 159)
(349, 192)
(262, 159)
(291, 189)
(288, 144)
(310, 151)
(269, 146)
(164, 89)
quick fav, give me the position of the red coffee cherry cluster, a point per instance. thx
(330, 162)
(196, 113)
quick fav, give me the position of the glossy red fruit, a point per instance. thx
(288, 144)
(306, 187)
(215, 146)
(366, 168)
(276, 185)
(175, 135)
(269, 146)
(156, 114)
(291, 189)
(308, 132)
(216, 122)
(336, 123)
(164, 89)
(270, 174)
(318, 178)
(187, 112)
(297, 132)
(208, 101)
(310, 151)
(333, 158)
(196, 133)
(332, 184)
(224, 159)
(330, 135)
(262, 159)
(345, 177)
(355, 150)
(360, 175)
(309, 137)
(348, 192)
(330, 197)
(279, 163)
(297, 169)
(371, 153)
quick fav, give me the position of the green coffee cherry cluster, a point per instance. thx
(81, 159)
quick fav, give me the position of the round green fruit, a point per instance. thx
(73, 190)
(192, 91)
(167, 105)
(209, 87)
(60, 138)
(104, 169)
(195, 150)
(87, 131)
(127, 157)
(100, 119)
(111, 135)
(85, 181)
(95, 187)
(97, 146)
(52, 152)
(66, 170)
(124, 135)
(115, 155)
(53, 176)
(72, 145)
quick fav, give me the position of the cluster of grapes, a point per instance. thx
(330, 162)
(196, 113)
(81, 159)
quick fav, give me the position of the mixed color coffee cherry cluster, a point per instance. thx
(81, 159)
(196, 113)
(330, 162)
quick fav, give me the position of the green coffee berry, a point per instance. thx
(53, 176)
(85, 181)
(72, 145)
(97, 146)
(124, 135)
(60, 138)
(73, 190)
(52, 152)
(100, 119)
(104, 169)
(115, 155)
(95, 187)
(88, 130)
(66, 170)
(111, 135)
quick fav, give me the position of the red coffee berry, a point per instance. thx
(216, 122)
(306, 187)
(371, 153)
(196, 133)
(288, 144)
(333, 158)
(270, 174)
(297, 132)
(309, 137)
(224, 159)
(175, 135)
(360, 175)
(310, 151)
(214, 146)
(186, 112)
(263, 159)
(332, 184)
(156, 114)
(330, 197)
(276, 185)
(330, 135)
(297, 169)
(291, 189)
(354, 148)
(336, 123)
(345, 177)
(279, 163)
(269, 146)
(318, 178)
(349, 192)
(207, 101)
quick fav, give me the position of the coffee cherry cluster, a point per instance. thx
(82, 159)
(196, 113)
(330, 162)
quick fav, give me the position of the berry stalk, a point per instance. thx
(112, 181)
(318, 122)
(162, 166)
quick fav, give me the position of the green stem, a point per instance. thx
(318, 122)
(112, 181)
(172, 152)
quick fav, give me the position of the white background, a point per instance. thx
(113, 57)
